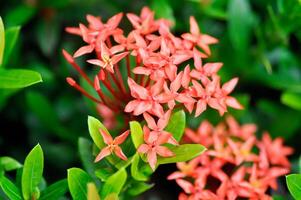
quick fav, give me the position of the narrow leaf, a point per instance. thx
(183, 153)
(18, 78)
(293, 182)
(176, 124)
(239, 23)
(2, 41)
(136, 133)
(32, 172)
(77, 183)
(92, 192)
(114, 183)
(11, 36)
(55, 191)
(10, 189)
(292, 100)
(9, 164)
(136, 172)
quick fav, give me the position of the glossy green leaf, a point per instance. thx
(138, 188)
(32, 173)
(114, 183)
(92, 192)
(94, 126)
(8, 163)
(292, 100)
(10, 189)
(293, 182)
(136, 171)
(11, 36)
(183, 153)
(2, 41)
(163, 9)
(239, 23)
(176, 124)
(55, 191)
(136, 133)
(18, 78)
(77, 182)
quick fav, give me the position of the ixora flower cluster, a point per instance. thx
(146, 74)
(236, 164)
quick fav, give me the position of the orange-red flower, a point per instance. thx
(237, 164)
(112, 145)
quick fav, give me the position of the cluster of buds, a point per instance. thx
(236, 165)
(148, 72)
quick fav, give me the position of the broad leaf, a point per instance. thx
(11, 36)
(32, 173)
(8, 163)
(94, 126)
(10, 189)
(136, 171)
(77, 183)
(86, 156)
(138, 188)
(183, 153)
(293, 182)
(136, 133)
(92, 192)
(21, 14)
(239, 23)
(114, 183)
(292, 100)
(176, 124)
(163, 9)
(18, 78)
(55, 191)
(2, 41)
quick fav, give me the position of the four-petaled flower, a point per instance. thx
(112, 145)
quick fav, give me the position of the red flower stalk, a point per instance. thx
(236, 165)
(153, 82)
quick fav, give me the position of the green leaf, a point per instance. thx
(138, 188)
(77, 182)
(293, 182)
(47, 116)
(136, 171)
(86, 156)
(163, 9)
(55, 191)
(291, 99)
(2, 41)
(176, 124)
(92, 192)
(10, 189)
(18, 78)
(9, 164)
(20, 15)
(94, 126)
(32, 173)
(114, 183)
(112, 196)
(239, 23)
(136, 133)
(11, 36)
(182, 153)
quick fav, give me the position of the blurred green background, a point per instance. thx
(260, 42)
